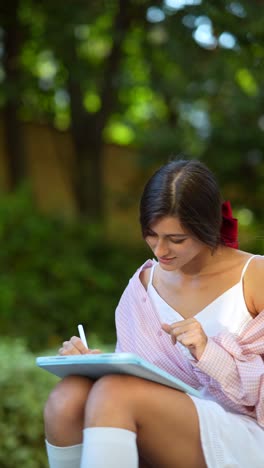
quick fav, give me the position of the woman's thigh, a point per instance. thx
(168, 429)
(165, 419)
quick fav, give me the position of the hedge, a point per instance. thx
(24, 390)
(54, 274)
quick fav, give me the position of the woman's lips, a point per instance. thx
(166, 260)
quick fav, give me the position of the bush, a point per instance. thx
(54, 274)
(24, 390)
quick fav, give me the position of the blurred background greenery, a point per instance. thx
(94, 95)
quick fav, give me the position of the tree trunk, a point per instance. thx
(88, 143)
(89, 184)
(87, 130)
(14, 146)
(13, 134)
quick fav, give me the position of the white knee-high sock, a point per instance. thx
(64, 457)
(109, 447)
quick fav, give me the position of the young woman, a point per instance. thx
(195, 311)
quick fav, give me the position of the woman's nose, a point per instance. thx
(161, 248)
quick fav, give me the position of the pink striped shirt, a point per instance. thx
(231, 368)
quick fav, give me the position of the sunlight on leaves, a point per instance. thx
(92, 102)
(247, 82)
(119, 133)
(46, 66)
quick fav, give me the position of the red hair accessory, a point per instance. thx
(229, 228)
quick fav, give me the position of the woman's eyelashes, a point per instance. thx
(172, 239)
(178, 241)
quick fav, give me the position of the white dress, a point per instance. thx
(229, 440)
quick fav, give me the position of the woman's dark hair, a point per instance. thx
(186, 189)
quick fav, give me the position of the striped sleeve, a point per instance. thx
(236, 363)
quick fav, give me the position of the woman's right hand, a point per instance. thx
(76, 346)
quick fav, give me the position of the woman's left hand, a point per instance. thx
(189, 333)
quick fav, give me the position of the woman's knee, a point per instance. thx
(113, 399)
(67, 400)
(114, 389)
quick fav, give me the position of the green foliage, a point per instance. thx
(24, 390)
(167, 77)
(55, 274)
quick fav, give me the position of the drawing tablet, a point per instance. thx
(97, 365)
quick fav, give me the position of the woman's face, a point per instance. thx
(172, 245)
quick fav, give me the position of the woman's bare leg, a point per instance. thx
(64, 411)
(165, 420)
(143, 464)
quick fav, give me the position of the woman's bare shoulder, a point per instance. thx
(256, 268)
(259, 261)
(144, 276)
(254, 280)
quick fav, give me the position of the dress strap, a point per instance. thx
(151, 274)
(246, 265)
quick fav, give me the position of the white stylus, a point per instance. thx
(82, 335)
